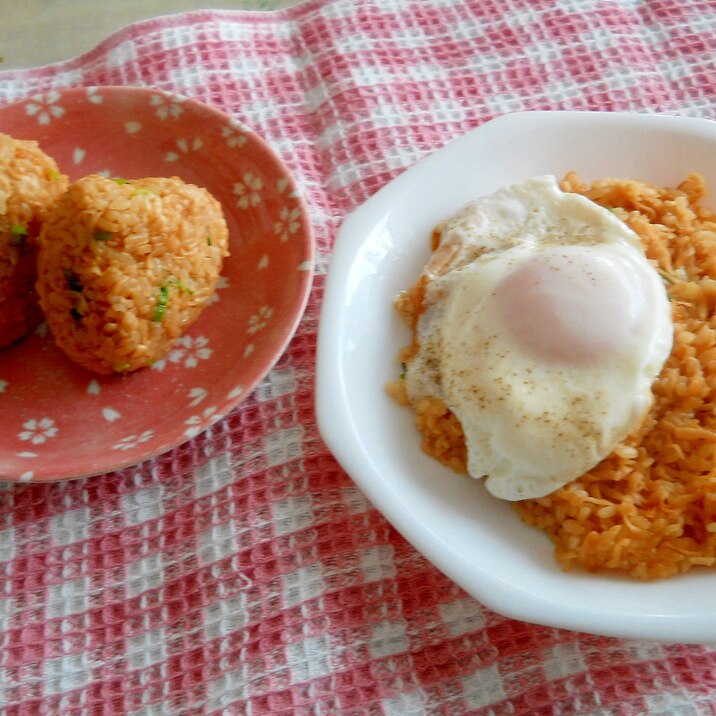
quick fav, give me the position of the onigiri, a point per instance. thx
(30, 186)
(126, 266)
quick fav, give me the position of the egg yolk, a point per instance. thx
(571, 306)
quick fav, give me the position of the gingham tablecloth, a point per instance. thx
(244, 571)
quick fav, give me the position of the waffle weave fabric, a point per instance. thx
(243, 572)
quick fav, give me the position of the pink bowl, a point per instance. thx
(58, 420)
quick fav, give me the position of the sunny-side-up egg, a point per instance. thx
(544, 328)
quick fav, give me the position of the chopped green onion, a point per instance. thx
(666, 276)
(18, 235)
(142, 192)
(181, 286)
(102, 235)
(403, 370)
(120, 367)
(119, 180)
(161, 307)
(208, 240)
(54, 174)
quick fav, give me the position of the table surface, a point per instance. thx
(30, 28)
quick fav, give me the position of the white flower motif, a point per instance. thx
(223, 282)
(185, 146)
(248, 190)
(38, 431)
(166, 108)
(196, 421)
(190, 351)
(131, 441)
(93, 97)
(110, 414)
(282, 184)
(239, 125)
(235, 137)
(44, 108)
(197, 395)
(289, 223)
(259, 320)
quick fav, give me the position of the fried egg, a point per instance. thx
(543, 329)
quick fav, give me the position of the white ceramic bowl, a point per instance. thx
(472, 537)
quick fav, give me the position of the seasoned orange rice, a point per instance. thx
(125, 267)
(649, 509)
(30, 185)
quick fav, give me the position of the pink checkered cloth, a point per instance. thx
(260, 580)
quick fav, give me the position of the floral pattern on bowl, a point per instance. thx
(58, 420)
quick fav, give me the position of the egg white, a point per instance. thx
(532, 423)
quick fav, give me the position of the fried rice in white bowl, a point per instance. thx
(476, 539)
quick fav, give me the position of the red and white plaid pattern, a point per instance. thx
(243, 571)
